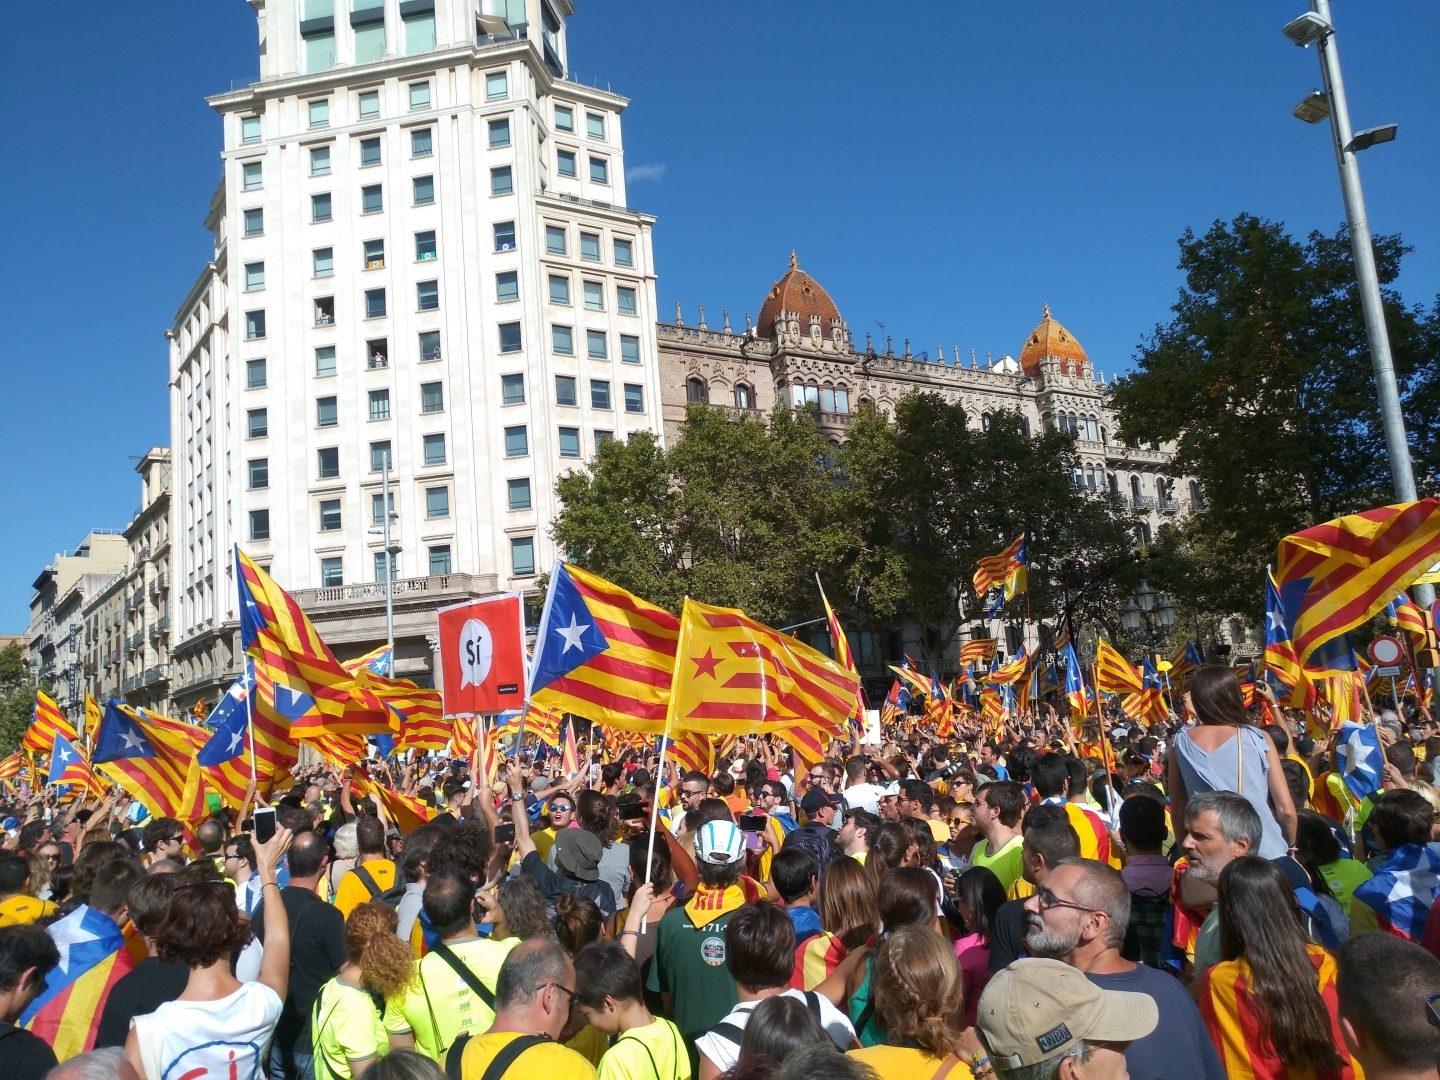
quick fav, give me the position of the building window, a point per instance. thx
(595, 125)
(629, 349)
(595, 344)
(254, 221)
(320, 47)
(322, 262)
(379, 404)
(696, 391)
(327, 462)
(602, 437)
(254, 325)
(374, 254)
(421, 143)
(562, 340)
(254, 374)
(369, 104)
(504, 236)
(257, 423)
(254, 276)
(590, 246)
(433, 450)
(501, 182)
(509, 337)
(369, 152)
(319, 160)
(599, 170)
(324, 311)
(499, 133)
(419, 37)
(432, 397)
(372, 199)
(594, 296)
(259, 524)
(320, 207)
(425, 245)
(319, 113)
(624, 253)
(439, 559)
(744, 396)
(327, 412)
(325, 361)
(329, 515)
(429, 345)
(517, 441)
(251, 176)
(565, 390)
(250, 129)
(507, 287)
(512, 389)
(374, 303)
(437, 502)
(427, 295)
(378, 503)
(496, 86)
(424, 188)
(600, 394)
(332, 571)
(379, 455)
(565, 162)
(554, 240)
(259, 473)
(522, 556)
(559, 289)
(384, 564)
(634, 398)
(517, 493)
(369, 35)
(420, 95)
(564, 118)
(569, 442)
(626, 301)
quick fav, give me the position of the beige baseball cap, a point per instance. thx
(1034, 1010)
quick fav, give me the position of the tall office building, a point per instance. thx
(422, 257)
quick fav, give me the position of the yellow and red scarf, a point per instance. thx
(710, 903)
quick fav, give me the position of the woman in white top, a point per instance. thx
(218, 1026)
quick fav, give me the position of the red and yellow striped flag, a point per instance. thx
(46, 721)
(843, 656)
(693, 751)
(93, 714)
(735, 676)
(407, 812)
(994, 571)
(465, 736)
(1009, 673)
(569, 752)
(154, 759)
(978, 651)
(1113, 673)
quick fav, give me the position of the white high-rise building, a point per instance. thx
(422, 254)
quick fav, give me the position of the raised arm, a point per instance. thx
(275, 965)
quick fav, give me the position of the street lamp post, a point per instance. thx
(391, 550)
(1315, 27)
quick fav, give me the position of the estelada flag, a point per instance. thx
(46, 721)
(93, 958)
(978, 651)
(1113, 673)
(482, 655)
(735, 676)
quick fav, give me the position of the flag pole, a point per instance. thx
(250, 719)
(681, 642)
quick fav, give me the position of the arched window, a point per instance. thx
(696, 390)
(1196, 499)
(744, 396)
(1142, 533)
(984, 421)
(1104, 436)
(1114, 484)
(1135, 487)
(842, 400)
(827, 399)
(865, 404)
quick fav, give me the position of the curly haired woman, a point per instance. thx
(346, 1028)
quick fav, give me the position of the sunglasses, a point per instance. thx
(1432, 1009)
(561, 809)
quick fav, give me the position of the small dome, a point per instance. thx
(797, 291)
(1051, 340)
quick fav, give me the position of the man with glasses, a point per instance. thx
(17, 907)
(694, 786)
(164, 838)
(533, 998)
(1079, 916)
(239, 866)
(889, 804)
(562, 816)
(1048, 839)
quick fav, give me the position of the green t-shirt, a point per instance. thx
(1344, 876)
(346, 1027)
(689, 965)
(439, 999)
(1004, 864)
(647, 1053)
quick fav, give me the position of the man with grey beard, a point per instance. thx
(1079, 916)
(1220, 826)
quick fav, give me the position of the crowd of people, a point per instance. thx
(1201, 900)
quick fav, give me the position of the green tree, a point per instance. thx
(1263, 380)
(17, 698)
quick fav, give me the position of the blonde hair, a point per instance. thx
(917, 991)
(386, 963)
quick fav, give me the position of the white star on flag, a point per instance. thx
(571, 634)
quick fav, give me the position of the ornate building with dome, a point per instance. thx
(800, 351)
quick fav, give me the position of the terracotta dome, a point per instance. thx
(1050, 339)
(797, 291)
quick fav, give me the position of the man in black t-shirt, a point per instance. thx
(27, 954)
(153, 981)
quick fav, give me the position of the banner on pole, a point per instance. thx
(482, 655)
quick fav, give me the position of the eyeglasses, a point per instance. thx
(691, 793)
(51, 858)
(817, 778)
(1432, 1009)
(1047, 900)
(566, 989)
(231, 855)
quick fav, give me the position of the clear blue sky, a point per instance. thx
(941, 168)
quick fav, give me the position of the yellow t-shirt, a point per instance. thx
(590, 1043)
(549, 1060)
(643, 1053)
(345, 1028)
(906, 1063)
(352, 891)
(21, 909)
(439, 998)
(939, 830)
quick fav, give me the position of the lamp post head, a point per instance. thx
(1307, 29)
(1313, 108)
(1363, 140)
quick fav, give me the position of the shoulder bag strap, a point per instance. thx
(641, 1043)
(500, 1063)
(368, 880)
(469, 977)
(945, 1066)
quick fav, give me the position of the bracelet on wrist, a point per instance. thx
(630, 933)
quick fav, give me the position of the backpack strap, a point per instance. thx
(641, 1043)
(500, 1064)
(368, 880)
(727, 1031)
(467, 976)
(812, 1002)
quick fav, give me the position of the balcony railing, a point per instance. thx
(1143, 502)
(130, 682)
(1170, 506)
(153, 675)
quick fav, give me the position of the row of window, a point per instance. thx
(557, 242)
(366, 23)
(439, 561)
(565, 121)
(512, 392)
(567, 163)
(698, 390)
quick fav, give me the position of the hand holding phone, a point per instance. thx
(264, 824)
